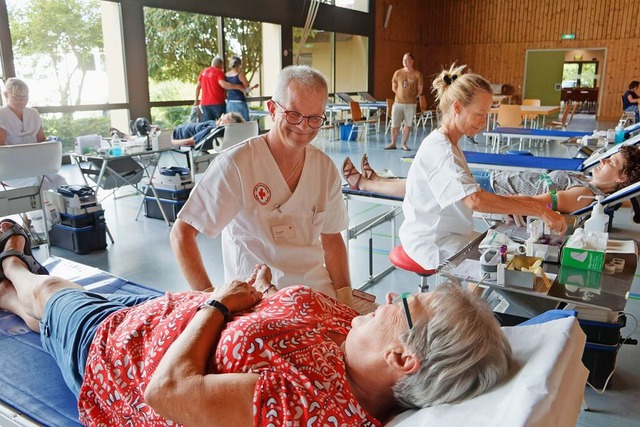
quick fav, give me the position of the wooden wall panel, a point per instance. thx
(492, 37)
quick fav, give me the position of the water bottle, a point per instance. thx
(115, 149)
(619, 136)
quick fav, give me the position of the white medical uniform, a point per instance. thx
(25, 131)
(437, 223)
(243, 195)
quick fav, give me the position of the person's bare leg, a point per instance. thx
(389, 187)
(9, 301)
(183, 142)
(33, 291)
(405, 137)
(394, 138)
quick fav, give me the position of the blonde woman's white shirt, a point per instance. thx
(244, 196)
(437, 223)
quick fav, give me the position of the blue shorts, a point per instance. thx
(69, 323)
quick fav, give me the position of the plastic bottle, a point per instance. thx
(599, 221)
(619, 136)
(115, 150)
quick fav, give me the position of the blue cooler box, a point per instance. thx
(344, 133)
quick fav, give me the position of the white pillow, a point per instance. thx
(546, 390)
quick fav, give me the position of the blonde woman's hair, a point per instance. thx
(451, 85)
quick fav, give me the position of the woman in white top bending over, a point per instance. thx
(441, 191)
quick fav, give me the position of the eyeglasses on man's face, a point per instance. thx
(405, 305)
(295, 118)
(19, 97)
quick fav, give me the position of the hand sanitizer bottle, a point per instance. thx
(619, 133)
(599, 221)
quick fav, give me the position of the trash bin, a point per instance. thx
(345, 130)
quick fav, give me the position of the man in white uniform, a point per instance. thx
(275, 198)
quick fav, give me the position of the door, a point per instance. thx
(543, 75)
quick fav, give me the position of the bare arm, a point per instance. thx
(40, 136)
(185, 249)
(336, 260)
(568, 199)
(229, 86)
(483, 201)
(183, 390)
(394, 86)
(632, 99)
(198, 87)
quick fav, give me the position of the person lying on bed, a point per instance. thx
(245, 354)
(616, 172)
(192, 133)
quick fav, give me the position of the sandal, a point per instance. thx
(349, 171)
(26, 256)
(367, 170)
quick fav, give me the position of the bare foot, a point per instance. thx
(367, 170)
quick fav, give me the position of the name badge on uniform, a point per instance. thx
(283, 232)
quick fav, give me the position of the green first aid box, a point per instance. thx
(582, 258)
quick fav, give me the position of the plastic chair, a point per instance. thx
(562, 124)
(232, 134)
(424, 114)
(387, 119)
(358, 121)
(531, 118)
(400, 259)
(509, 116)
(629, 117)
(27, 161)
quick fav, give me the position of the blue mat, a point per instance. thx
(551, 163)
(30, 380)
(542, 133)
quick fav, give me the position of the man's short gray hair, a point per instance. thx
(462, 349)
(217, 62)
(305, 77)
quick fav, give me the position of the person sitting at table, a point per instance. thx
(190, 134)
(19, 125)
(616, 172)
(630, 100)
(245, 354)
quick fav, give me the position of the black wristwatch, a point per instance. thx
(217, 305)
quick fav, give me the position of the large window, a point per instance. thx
(342, 58)
(316, 51)
(86, 73)
(361, 5)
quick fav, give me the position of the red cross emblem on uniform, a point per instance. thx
(262, 193)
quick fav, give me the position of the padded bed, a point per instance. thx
(546, 388)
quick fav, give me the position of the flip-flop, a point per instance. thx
(367, 170)
(388, 147)
(349, 170)
(406, 149)
(26, 256)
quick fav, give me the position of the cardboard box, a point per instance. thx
(511, 275)
(584, 259)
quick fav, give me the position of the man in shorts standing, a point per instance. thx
(407, 85)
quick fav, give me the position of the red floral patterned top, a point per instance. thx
(284, 339)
